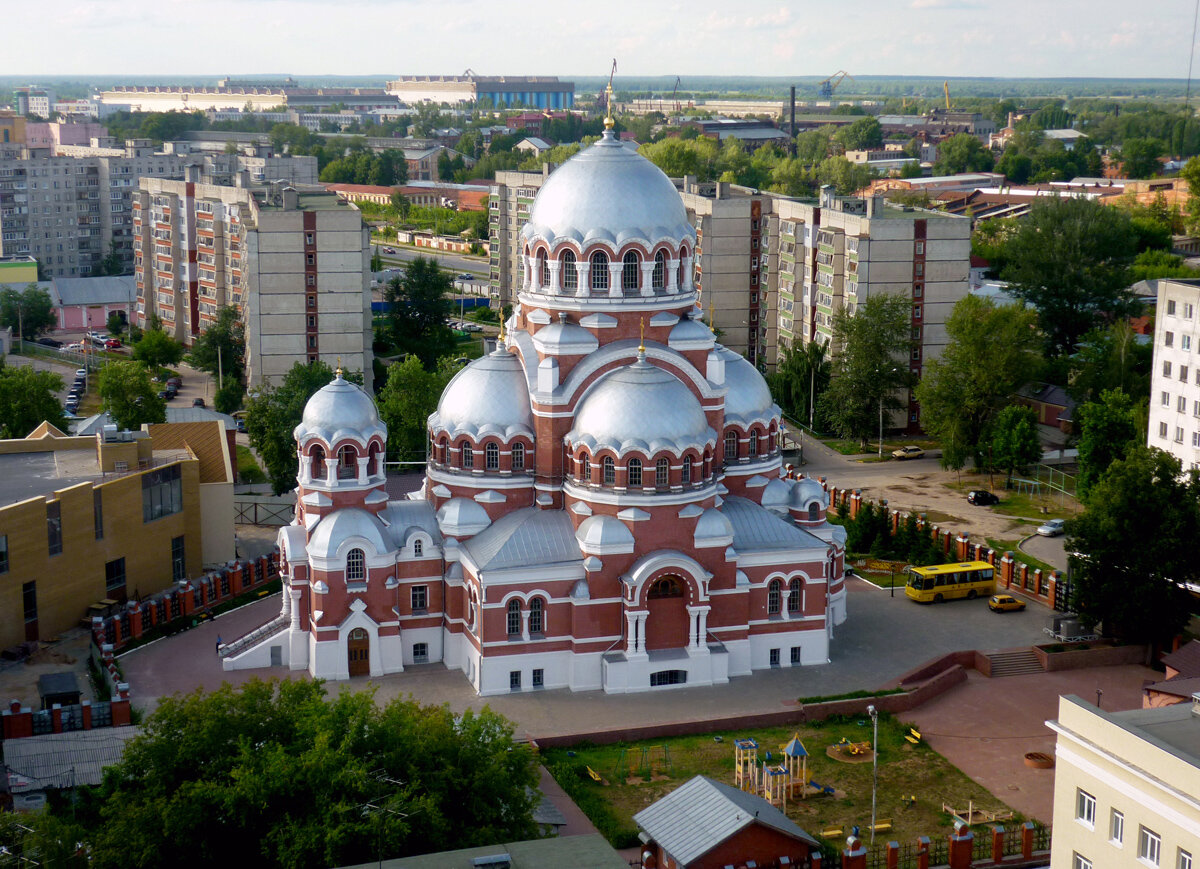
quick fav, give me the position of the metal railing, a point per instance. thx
(270, 629)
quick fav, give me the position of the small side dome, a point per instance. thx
(602, 535)
(564, 339)
(489, 396)
(747, 398)
(338, 410)
(713, 528)
(690, 334)
(777, 495)
(342, 525)
(806, 493)
(462, 517)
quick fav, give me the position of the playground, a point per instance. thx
(819, 774)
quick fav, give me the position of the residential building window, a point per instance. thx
(420, 653)
(29, 601)
(312, 300)
(629, 271)
(599, 271)
(539, 678)
(916, 312)
(356, 566)
(513, 618)
(1078, 861)
(310, 259)
(1168, 339)
(610, 470)
(1170, 307)
(570, 275)
(1183, 373)
(518, 457)
(773, 596)
(918, 291)
(3, 553)
(468, 456)
(419, 598)
(635, 472)
(731, 442)
(1116, 828)
(491, 457)
(919, 269)
(537, 616)
(1178, 435)
(514, 680)
(1166, 368)
(1183, 859)
(919, 248)
(162, 493)
(1085, 807)
(1181, 404)
(1165, 399)
(1162, 429)
(178, 559)
(54, 527)
(795, 596)
(1188, 310)
(1149, 846)
(114, 576)
(309, 239)
(658, 277)
(686, 470)
(1185, 342)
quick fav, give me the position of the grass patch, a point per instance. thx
(247, 467)
(1020, 505)
(850, 695)
(904, 770)
(1003, 546)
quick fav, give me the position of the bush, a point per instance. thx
(574, 779)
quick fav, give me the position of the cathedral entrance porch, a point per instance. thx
(664, 668)
(358, 653)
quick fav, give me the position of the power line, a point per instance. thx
(1191, 55)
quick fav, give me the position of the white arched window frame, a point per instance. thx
(610, 471)
(347, 463)
(795, 596)
(491, 457)
(686, 470)
(658, 277)
(814, 512)
(570, 276)
(468, 457)
(682, 256)
(752, 446)
(629, 272)
(518, 456)
(356, 566)
(543, 270)
(512, 618)
(537, 616)
(418, 548)
(731, 441)
(662, 474)
(599, 275)
(585, 462)
(773, 597)
(635, 472)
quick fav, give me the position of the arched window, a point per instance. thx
(585, 464)
(513, 617)
(662, 474)
(373, 460)
(773, 597)
(731, 440)
(658, 277)
(814, 512)
(317, 463)
(347, 463)
(682, 256)
(610, 471)
(599, 271)
(443, 449)
(772, 440)
(795, 596)
(468, 456)
(418, 548)
(753, 445)
(570, 276)
(356, 566)
(518, 457)
(629, 272)
(635, 472)
(543, 271)
(687, 470)
(491, 457)
(668, 586)
(707, 463)
(537, 616)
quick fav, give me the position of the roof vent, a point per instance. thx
(1196, 704)
(493, 861)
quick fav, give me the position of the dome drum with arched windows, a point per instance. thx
(340, 439)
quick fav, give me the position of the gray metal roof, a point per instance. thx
(756, 528)
(701, 814)
(62, 760)
(578, 852)
(110, 290)
(524, 538)
(96, 422)
(404, 515)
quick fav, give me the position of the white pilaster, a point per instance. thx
(614, 279)
(555, 286)
(673, 275)
(647, 282)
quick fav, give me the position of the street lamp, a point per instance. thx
(874, 713)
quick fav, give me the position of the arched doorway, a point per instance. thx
(358, 651)
(667, 623)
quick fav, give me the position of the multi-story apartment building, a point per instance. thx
(511, 197)
(34, 100)
(1125, 787)
(1175, 376)
(68, 205)
(293, 261)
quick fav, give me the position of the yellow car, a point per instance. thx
(1001, 603)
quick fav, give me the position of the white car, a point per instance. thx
(1052, 528)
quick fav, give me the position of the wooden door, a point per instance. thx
(358, 648)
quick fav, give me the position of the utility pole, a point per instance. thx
(874, 713)
(220, 374)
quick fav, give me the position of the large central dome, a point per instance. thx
(608, 192)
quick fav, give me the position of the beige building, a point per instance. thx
(1126, 787)
(107, 517)
(293, 261)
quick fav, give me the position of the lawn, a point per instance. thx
(247, 467)
(1003, 546)
(905, 770)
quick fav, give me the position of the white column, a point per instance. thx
(688, 283)
(631, 633)
(295, 594)
(704, 626)
(525, 624)
(642, 618)
(305, 474)
(581, 278)
(673, 275)
(285, 609)
(555, 286)
(331, 471)
(528, 282)
(647, 280)
(535, 276)
(693, 628)
(362, 470)
(614, 279)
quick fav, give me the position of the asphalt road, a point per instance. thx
(452, 262)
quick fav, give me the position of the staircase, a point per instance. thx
(1015, 662)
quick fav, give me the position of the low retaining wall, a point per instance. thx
(1094, 656)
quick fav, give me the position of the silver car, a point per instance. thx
(1052, 528)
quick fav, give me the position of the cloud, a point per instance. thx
(945, 4)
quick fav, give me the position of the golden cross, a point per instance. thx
(712, 325)
(642, 345)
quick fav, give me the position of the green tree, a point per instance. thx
(1136, 547)
(799, 379)
(111, 263)
(812, 146)
(28, 398)
(28, 313)
(420, 305)
(1014, 442)
(1070, 260)
(846, 177)
(991, 351)
(272, 412)
(1107, 432)
(116, 322)
(407, 399)
(157, 349)
(280, 774)
(221, 348)
(129, 396)
(1111, 358)
(962, 152)
(1139, 157)
(401, 203)
(870, 367)
(1191, 173)
(862, 134)
(679, 157)
(228, 398)
(376, 260)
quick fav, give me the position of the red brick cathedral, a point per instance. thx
(604, 505)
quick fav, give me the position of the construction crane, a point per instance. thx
(946, 91)
(675, 97)
(830, 84)
(602, 99)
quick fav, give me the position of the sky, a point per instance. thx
(1004, 38)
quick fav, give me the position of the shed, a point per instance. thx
(61, 688)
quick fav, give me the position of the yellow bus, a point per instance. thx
(939, 582)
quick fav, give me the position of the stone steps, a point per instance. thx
(1014, 663)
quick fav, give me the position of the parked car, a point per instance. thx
(389, 250)
(472, 327)
(177, 382)
(1002, 603)
(162, 393)
(982, 498)
(112, 343)
(49, 342)
(76, 347)
(241, 425)
(908, 452)
(81, 372)
(197, 402)
(171, 392)
(466, 277)
(1052, 528)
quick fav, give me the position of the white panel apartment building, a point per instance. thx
(1125, 787)
(1175, 376)
(293, 261)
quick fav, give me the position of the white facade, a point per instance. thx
(1175, 376)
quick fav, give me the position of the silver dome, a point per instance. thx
(806, 491)
(690, 334)
(598, 533)
(489, 396)
(338, 410)
(564, 339)
(640, 407)
(341, 525)
(462, 517)
(607, 192)
(777, 494)
(713, 525)
(748, 399)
